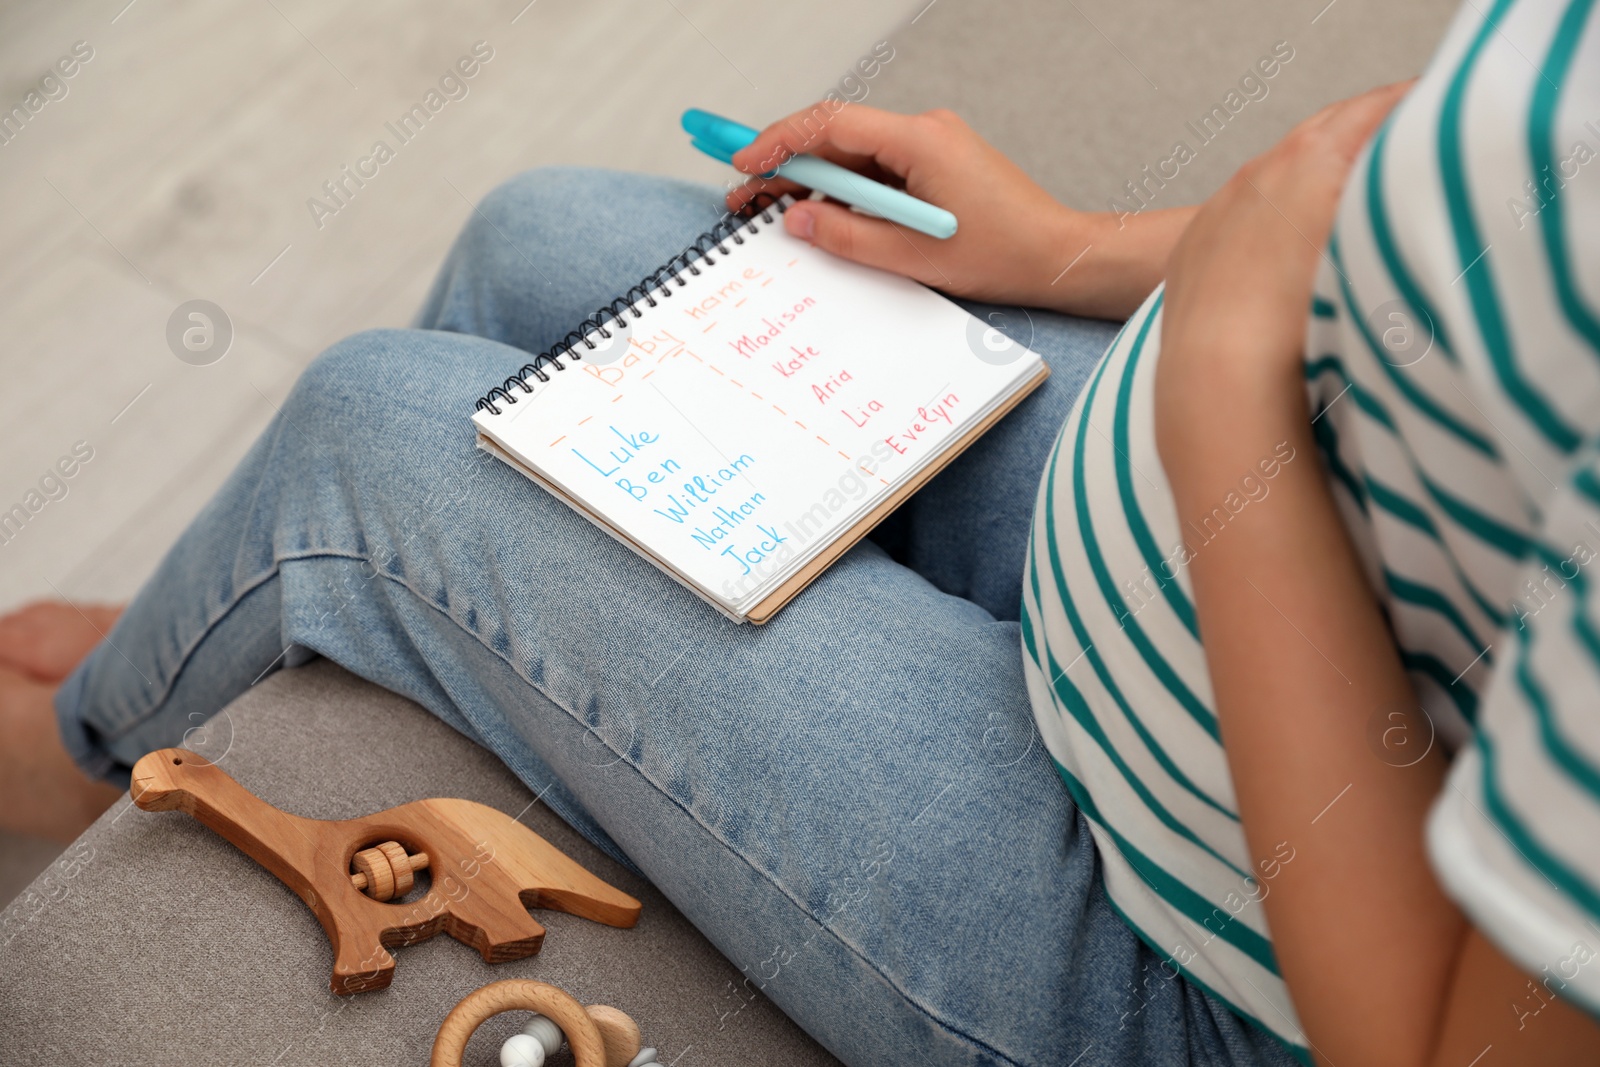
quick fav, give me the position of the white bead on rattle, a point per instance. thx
(542, 1038)
(522, 1050)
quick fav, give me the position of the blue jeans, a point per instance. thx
(851, 802)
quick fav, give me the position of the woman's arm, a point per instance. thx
(1382, 967)
(1015, 244)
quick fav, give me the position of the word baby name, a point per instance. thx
(736, 290)
(661, 345)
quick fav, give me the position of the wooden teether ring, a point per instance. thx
(605, 1038)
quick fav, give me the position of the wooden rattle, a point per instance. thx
(600, 1036)
(487, 869)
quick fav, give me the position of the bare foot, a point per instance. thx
(47, 638)
(42, 792)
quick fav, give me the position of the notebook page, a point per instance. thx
(759, 411)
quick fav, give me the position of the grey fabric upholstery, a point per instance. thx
(154, 941)
(1084, 95)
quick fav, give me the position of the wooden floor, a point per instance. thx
(178, 165)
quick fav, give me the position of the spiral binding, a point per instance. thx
(732, 227)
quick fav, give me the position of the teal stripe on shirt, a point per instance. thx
(1067, 696)
(1114, 601)
(1148, 549)
(1171, 889)
(1479, 524)
(1557, 871)
(1408, 389)
(1544, 154)
(1383, 237)
(1102, 672)
(1474, 256)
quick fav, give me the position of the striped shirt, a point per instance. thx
(1453, 365)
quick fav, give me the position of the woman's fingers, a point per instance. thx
(877, 144)
(777, 185)
(1013, 233)
(851, 235)
(1346, 125)
(1354, 121)
(854, 136)
(742, 195)
(1302, 176)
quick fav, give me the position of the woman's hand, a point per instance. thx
(1014, 244)
(1239, 281)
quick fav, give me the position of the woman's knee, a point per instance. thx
(546, 196)
(380, 422)
(394, 380)
(348, 376)
(549, 205)
(544, 248)
(578, 208)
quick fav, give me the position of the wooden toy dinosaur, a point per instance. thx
(487, 869)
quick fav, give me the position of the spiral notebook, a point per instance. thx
(751, 409)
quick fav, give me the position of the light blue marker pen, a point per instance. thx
(720, 138)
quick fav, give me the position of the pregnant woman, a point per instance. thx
(1231, 702)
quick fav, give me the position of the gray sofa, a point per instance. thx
(153, 941)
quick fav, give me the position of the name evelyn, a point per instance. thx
(927, 418)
